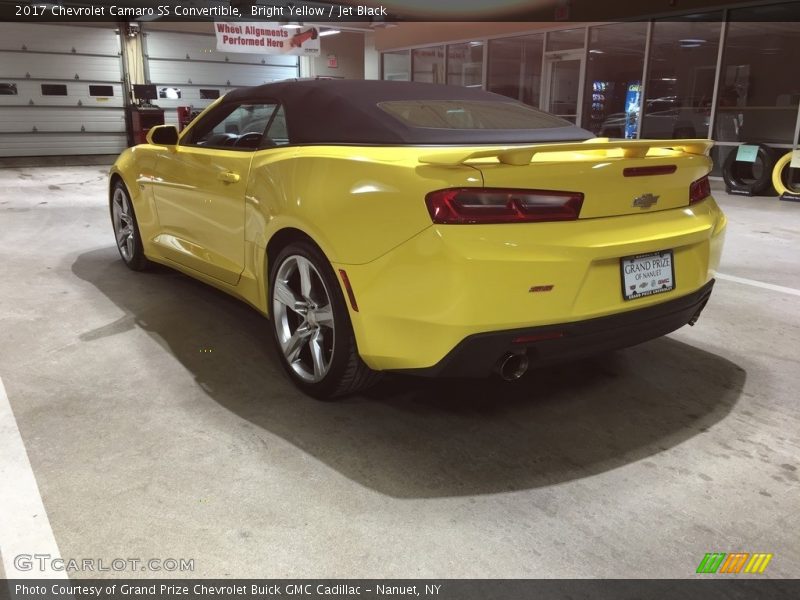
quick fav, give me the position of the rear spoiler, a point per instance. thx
(601, 147)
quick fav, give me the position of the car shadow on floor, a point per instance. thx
(417, 438)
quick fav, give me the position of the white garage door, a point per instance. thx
(60, 90)
(190, 65)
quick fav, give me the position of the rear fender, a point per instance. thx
(356, 203)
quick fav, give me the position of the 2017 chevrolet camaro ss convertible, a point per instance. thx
(420, 228)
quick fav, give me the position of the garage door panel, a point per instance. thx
(190, 94)
(33, 123)
(203, 47)
(169, 72)
(55, 38)
(206, 68)
(60, 67)
(77, 91)
(31, 144)
(24, 119)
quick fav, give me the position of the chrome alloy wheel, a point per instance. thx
(303, 318)
(122, 220)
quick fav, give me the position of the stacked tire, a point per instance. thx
(750, 178)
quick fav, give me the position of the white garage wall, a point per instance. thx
(34, 124)
(191, 62)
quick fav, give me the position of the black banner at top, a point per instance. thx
(381, 12)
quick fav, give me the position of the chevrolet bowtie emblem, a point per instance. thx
(645, 200)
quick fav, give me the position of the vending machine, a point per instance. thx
(632, 109)
(602, 92)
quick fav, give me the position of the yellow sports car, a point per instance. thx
(420, 228)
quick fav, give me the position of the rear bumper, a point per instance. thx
(450, 282)
(477, 355)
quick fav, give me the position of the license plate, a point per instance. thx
(647, 274)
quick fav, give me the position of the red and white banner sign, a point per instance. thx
(266, 38)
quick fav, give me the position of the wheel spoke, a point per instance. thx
(293, 346)
(285, 295)
(305, 278)
(324, 316)
(305, 333)
(124, 228)
(315, 344)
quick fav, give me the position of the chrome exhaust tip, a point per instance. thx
(513, 366)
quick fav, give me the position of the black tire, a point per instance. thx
(752, 178)
(347, 373)
(136, 260)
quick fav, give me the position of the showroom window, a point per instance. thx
(465, 64)
(613, 79)
(567, 39)
(397, 65)
(563, 71)
(8, 89)
(428, 64)
(680, 81)
(759, 89)
(515, 67)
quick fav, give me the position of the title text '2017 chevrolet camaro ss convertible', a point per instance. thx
(421, 228)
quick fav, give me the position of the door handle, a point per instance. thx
(229, 177)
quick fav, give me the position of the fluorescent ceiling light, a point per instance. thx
(693, 41)
(329, 32)
(291, 26)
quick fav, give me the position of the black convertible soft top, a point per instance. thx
(336, 111)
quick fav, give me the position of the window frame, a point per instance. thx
(225, 110)
(278, 107)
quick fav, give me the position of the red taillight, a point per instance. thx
(643, 171)
(699, 190)
(464, 206)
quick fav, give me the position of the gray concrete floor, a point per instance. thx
(633, 464)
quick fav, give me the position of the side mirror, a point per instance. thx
(163, 135)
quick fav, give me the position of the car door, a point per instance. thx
(200, 188)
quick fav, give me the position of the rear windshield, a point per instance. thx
(470, 114)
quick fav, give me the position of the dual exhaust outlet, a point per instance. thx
(512, 366)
